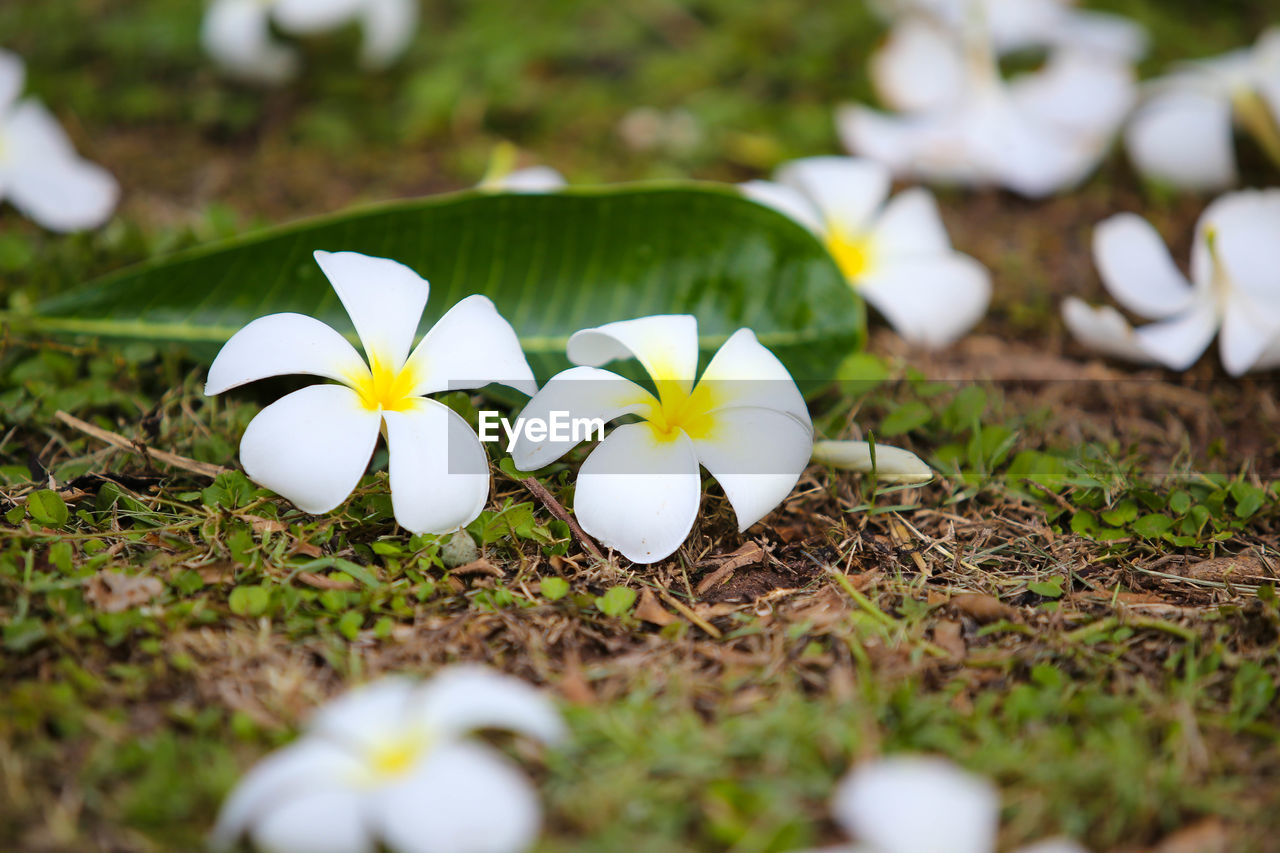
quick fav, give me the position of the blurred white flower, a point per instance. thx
(237, 33)
(640, 489)
(916, 804)
(313, 445)
(40, 172)
(390, 764)
(961, 122)
(503, 176)
(894, 252)
(1182, 133)
(1235, 267)
(1016, 25)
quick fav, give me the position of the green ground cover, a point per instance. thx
(1082, 608)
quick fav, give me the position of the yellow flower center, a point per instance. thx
(385, 389)
(854, 256)
(394, 759)
(679, 410)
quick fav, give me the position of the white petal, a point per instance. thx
(33, 135)
(888, 139)
(471, 346)
(756, 455)
(281, 345)
(1137, 269)
(1266, 69)
(786, 200)
(1184, 138)
(743, 372)
(919, 67)
(1016, 149)
(311, 446)
(389, 28)
(68, 195)
(311, 16)
(912, 225)
(892, 464)
(439, 471)
(1053, 845)
(638, 494)
(1270, 357)
(461, 699)
(1245, 337)
(13, 74)
(1179, 341)
(667, 346)
(918, 805)
(315, 822)
(237, 34)
(930, 301)
(367, 715)
(847, 191)
(307, 765)
(384, 299)
(579, 392)
(47, 180)
(1079, 92)
(1013, 24)
(465, 798)
(1246, 242)
(1103, 33)
(1105, 330)
(534, 179)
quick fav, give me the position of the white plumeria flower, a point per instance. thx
(313, 445)
(1037, 134)
(389, 765)
(894, 252)
(1182, 133)
(40, 172)
(639, 490)
(915, 804)
(1235, 267)
(237, 33)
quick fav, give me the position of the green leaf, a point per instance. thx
(1046, 589)
(47, 508)
(249, 600)
(349, 624)
(552, 264)
(617, 601)
(1249, 498)
(554, 589)
(355, 570)
(1152, 526)
(905, 418)
(860, 373)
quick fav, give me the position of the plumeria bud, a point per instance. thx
(891, 464)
